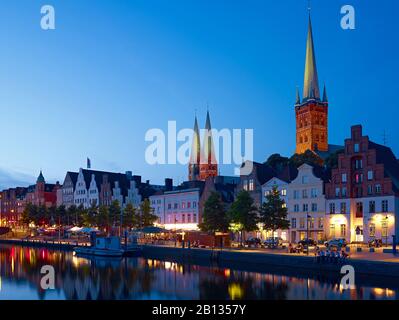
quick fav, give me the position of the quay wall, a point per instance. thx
(259, 260)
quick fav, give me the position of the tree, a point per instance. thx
(89, 216)
(273, 213)
(115, 212)
(42, 217)
(332, 160)
(131, 218)
(79, 215)
(308, 157)
(102, 218)
(60, 214)
(147, 217)
(29, 214)
(277, 162)
(70, 214)
(214, 218)
(243, 213)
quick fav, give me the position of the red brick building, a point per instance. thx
(42, 193)
(363, 195)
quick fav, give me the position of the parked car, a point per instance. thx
(273, 242)
(253, 242)
(336, 243)
(375, 243)
(307, 242)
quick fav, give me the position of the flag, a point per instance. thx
(88, 163)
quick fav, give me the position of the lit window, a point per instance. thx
(251, 185)
(370, 175)
(284, 192)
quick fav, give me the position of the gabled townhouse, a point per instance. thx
(363, 195)
(306, 203)
(252, 176)
(68, 189)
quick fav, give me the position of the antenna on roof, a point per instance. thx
(309, 6)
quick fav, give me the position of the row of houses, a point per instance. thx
(357, 200)
(83, 188)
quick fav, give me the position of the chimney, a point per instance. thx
(129, 175)
(168, 184)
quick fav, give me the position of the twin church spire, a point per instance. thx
(203, 162)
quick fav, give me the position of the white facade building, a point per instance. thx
(177, 210)
(306, 205)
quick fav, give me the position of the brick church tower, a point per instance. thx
(208, 165)
(312, 112)
(203, 162)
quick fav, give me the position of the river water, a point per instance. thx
(139, 278)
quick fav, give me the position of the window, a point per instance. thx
(169, 206)
(359, 209)
(188, 218)
(372, 206)
(183, 218)
(311, 223)
(359, 177)
(377, 188)
(183, 205)
(384, 205)
(176, 205)
(284, 192)
(384, 227)
(305, 207)
(284, 205)
(372, 229)
(343, 230)
(320, 223)
(245, 185)
(369, 189)
(344, 178)
(293, 223)
(314, 207)
(302, 223)
(194, 204)
(267, 192)
(194, 218)
(189, 205)
(251, 185)
(296, 194)
(344, 192)
(305, 179)
(304, 194)
(370, 175)
(296, 208)
(332, 208)
(358, 164)
(313, 193)
(337, 192)
(343, 207)
(356, 148)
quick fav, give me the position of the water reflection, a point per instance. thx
(139, 278)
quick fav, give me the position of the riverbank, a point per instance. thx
(51, 244)
(283, 260)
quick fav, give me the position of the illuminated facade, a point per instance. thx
(363, 195)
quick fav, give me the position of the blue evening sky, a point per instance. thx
(113, 69)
